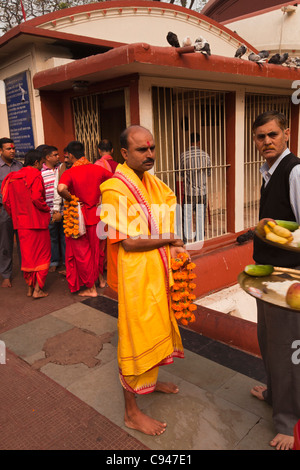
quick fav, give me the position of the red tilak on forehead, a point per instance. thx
(148, 143)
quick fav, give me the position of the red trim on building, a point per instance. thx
(228, 329)
(57, 110)
(159, 56)
(134, 101)
(230, 154)
(30, 30)
(220, 268)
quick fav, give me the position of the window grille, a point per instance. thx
(256, 104)
(177, 113)
(87, 123)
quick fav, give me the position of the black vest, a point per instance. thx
(275, 204)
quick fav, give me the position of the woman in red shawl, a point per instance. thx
(24, 199)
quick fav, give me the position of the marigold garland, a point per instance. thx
(71, 217)
(181, 292)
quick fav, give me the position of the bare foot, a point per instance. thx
(29, 291)
(282, 442)
(39, 294)
(6, 283)
(144, 423)
(52, 269)
(92, 292)
(166, 387)
(258, 390)
(102, 281)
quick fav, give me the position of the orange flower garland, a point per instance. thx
(71, 227)
(181, 292)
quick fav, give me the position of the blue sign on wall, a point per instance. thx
(19, 113)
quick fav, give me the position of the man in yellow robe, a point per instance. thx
(139, 210)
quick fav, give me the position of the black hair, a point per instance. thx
(105, 145)
(195, 137)
(76, 148)
(32, 156)
(49, 149)
(268, 116)
(5, 140)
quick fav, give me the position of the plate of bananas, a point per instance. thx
(280, 233)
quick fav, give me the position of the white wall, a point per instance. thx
(275, 31)
(4, 129)
(141, 24)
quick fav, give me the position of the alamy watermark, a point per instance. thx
(133, 220)
(296, 354)
(2, 352)
(296, 94)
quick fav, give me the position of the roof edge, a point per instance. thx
(143, 53)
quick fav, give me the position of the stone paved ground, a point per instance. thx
(36, 413)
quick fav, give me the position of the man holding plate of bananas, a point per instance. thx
(278, 328)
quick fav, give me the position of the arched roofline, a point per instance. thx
(28, 27)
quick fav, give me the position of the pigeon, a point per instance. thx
(278, 59)
(187, 41)
(264, 54)
(173, 39)
(256, 58)
(292, 62)
(201, 45)
(245, 237)
(241, 51)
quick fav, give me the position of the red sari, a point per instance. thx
(35, 246)
(24, 199)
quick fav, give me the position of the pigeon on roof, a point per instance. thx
(187, 41)
(241, 51)
(292, 62)
(173, 39)
(264, 54)
(279, 59)
(256, 58)
(201, 45)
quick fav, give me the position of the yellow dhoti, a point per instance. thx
(148, 331)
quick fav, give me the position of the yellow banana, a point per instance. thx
(276, 238)
(280, 231)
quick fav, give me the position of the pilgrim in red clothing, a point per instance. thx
(105, 150)
(24, 199)
(84, 255)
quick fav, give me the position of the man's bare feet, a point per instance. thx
(166, 387)
(258, 390)
(282, 442)
(102, 281)
(62, 271)
(6, 283)
(52, 269)
(92, 292)
(143, 423)
(29, 291)
(39, 294)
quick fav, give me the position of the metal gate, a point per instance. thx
(87, 123)
(178, 113)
